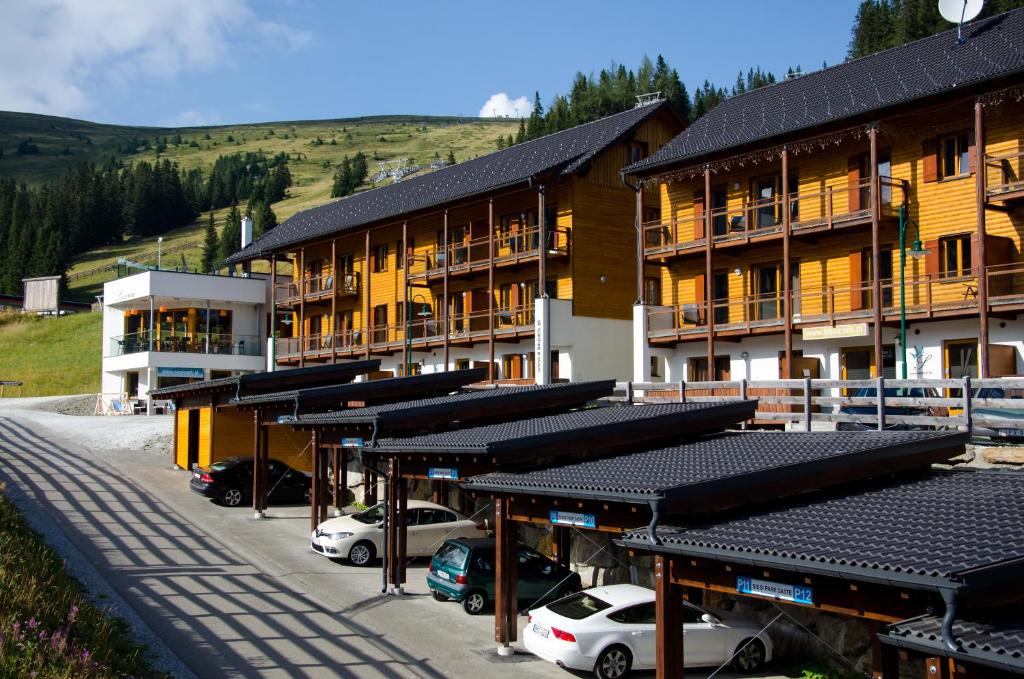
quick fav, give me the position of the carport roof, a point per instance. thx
(997, 643)
(255, 382)
(727, 469)
(933, 530)
(385, 390)
(594, 429)
(478, 404)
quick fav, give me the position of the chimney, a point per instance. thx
(246, 230)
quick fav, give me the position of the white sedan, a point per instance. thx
(360, 537)
(610, 630)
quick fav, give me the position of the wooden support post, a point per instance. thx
(669, 629)
(406, 311)
(368, 309)
(561, 537)
(937, 668)
(325, 495)
(401, 486)
(303, 337)
(542, 243)
(444, 294)
(273, 301)
(335, 281)
(787, 267)
(709, 287)
(439, 492)
(490, 291)
(640, 244)
(876, 248)
(391, 507)
(314, 496)
(885, 661)
(982, 259)
(339, 463)
(808, 418)
(880, 404)
(257, 440)
(505, 579)
(265, 454)
(968, 397)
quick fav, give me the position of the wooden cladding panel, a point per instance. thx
(181, 449)
(206, 430)
(604, 246)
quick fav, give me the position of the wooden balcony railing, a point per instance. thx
(809, 211)
(926, 296)
(478, 253)
(472, 327)
(1004, 175)
(315, 288)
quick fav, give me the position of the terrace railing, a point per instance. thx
(1004, 174)
(198, 343)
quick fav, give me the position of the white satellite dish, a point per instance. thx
(959, 11)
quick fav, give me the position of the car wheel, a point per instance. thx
(475, 602)
(362, 553)
(438, 596)
(232, 497)
(307, 496)
(749, 658)
(614, 662)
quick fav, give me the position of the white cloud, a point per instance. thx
(501, 106)
(191, 118)
(54, 53)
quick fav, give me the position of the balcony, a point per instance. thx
(198, 343)
(315, 288)
(477, 254)
(1004, 177)
(927, 296)
(762, 220)
(465, 329)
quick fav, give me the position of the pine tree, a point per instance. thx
(521, 134)
(231, 234)
(263, 219)
(451, 157)
(535, 126)
(210, 247)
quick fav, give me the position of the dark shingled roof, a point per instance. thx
(732, 467)
(993, 48)
(392, 388)
(998, 643)
(313, 375)
(937, 529)
(590, 428)
(565, 152)
(504, 402)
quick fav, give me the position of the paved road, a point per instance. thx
(231, 596)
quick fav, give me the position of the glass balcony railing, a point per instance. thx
(198, 343)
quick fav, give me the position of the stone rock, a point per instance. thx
(1004, 455)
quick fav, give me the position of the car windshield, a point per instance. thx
(578, 606)
(868, 392)
(227, 463)
(374, 514)
(453, 555)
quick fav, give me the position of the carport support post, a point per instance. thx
(561, 537)
(396, 528)
(314, 495)
(439, 492)
(340, 478)
(885, 661)
(669, 629)
(257, 455)
(402, 546)
(505, 594)
(324, 494)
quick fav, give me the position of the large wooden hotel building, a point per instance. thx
(793, 225)
(520, 261)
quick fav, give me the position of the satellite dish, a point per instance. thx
(959, 11)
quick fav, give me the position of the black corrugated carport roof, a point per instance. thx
(996, 643)
(728, 469)
(933, 530)
(479, 404)
(256, 382)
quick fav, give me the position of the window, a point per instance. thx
(698, 369)
(652, 291)
(551, 288)
(636, 151)
(656, 367)
(955, 156)
(380, 323)
(719, 210)
(380, 258)
(867, 278)
(720, 296)
(462, 364)
(955, 252)
(346, 264)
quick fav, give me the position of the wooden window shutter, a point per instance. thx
(972, 148)
(514, 295)
(853, 182)
(930, 160)
(698, 215)
(699, 295)
(933, 258)
(856, 298)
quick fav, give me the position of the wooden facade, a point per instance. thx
(775, 255)
(467, 274)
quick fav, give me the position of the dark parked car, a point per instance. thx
(869, 392)
(229, 482)
(462, 570)
(999, 424)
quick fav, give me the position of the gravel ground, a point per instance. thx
(82, 405)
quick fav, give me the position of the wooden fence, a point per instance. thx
(946, 403)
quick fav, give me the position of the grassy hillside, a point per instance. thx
(315, 149)
(51, 356)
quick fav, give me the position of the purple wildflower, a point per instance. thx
(32, 624)
(72, 614)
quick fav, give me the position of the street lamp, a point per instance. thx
(424, 312)
(916, 251)
(159, 251)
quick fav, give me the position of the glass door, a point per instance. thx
(766, 287)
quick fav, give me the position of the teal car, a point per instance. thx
(462, 570)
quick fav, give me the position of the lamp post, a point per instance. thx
(424, 312)
(159, 251)
(916, 251)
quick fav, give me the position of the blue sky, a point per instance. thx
(177, 62)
